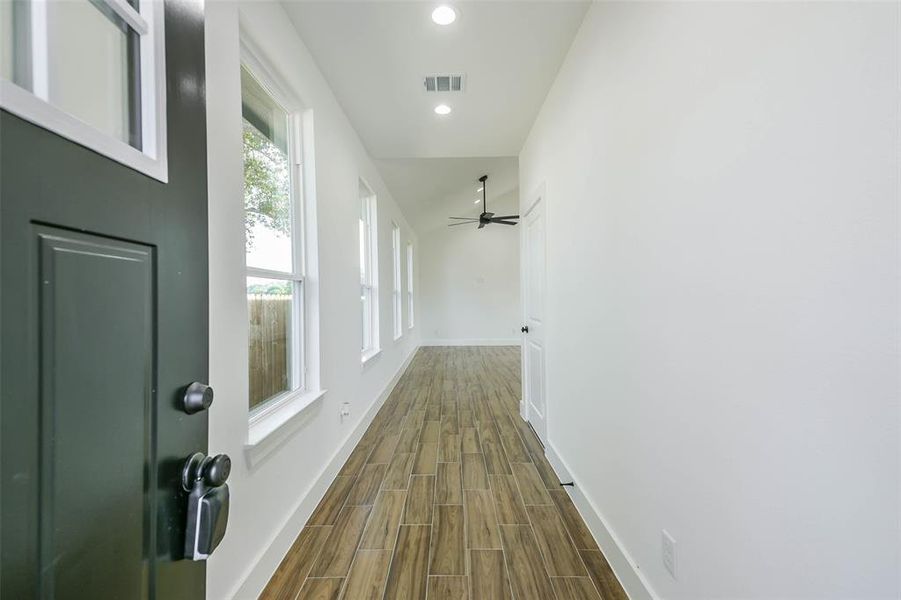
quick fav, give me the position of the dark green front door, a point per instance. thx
(103, 324)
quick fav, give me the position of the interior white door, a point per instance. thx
(533, 346)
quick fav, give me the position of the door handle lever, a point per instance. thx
(204, 478)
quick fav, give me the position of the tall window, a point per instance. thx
(273, 243)
(410, 286)
(369, 275)
(396, 299)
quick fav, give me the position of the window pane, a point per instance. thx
(269, 307)
(368, 270)
(267, 181)
(396, 300)
(409, 285)
(92, 71)
(263, 112)
(363, 253)
(366, 308)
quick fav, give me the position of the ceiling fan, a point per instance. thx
(486, 217)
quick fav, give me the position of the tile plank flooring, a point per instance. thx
(448, 495)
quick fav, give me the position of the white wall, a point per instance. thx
(723, 314)
(275, 488)
(470, 282)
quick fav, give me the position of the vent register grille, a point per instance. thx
(443, 83)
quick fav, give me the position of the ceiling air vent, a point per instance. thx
(443, 83)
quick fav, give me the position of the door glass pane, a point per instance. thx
(92, 70)
(7, 45)
(269, 304)
(267, 179)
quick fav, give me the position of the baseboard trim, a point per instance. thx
(473, 342)
(258, 576)
(625, 569)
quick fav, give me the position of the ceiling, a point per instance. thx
(429, 190)
(374, 55)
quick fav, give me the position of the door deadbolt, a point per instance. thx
(198, 397)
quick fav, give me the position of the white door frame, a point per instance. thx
(536, 200)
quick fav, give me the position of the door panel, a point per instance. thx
(96, 298)
(533, 310)
(536, 394)
(535, 228)
(103, 323)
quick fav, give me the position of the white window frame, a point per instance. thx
(34, 106)
(410, 320)
(396, 297)
(369, 281)
(268, 416)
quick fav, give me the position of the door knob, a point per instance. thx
(204, 477)
(211, 471)
(198, 397)
(217, 470)
(524, 329)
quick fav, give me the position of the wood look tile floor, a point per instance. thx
(448, 495)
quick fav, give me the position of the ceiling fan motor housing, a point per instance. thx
(486, 218)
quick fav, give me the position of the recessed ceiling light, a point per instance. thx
(444, 15)
(477, 200)
(442, 109)
(480, 189)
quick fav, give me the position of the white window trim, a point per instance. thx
(372, 282)
(33, 106)
(410, 299)
(396, 292)
(274, 414)
(370, 354)
(268, 417)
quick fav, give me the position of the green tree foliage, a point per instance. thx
(266, 185)
(270, 288)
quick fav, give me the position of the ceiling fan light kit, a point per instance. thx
(486, 218)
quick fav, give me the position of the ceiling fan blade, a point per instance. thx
(508, 217)
(503, 222)
(483, 223)
(462, 223)
(465, 218)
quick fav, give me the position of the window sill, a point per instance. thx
(369, 355)
(262, 426)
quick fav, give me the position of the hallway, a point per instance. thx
(457, 299)
(447, 495)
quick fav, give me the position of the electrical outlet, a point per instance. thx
(345, 410)
(669, 553)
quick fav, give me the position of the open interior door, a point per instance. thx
(533, 329)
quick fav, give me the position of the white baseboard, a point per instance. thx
(473, 342)
(625, 569)
(266, 563)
